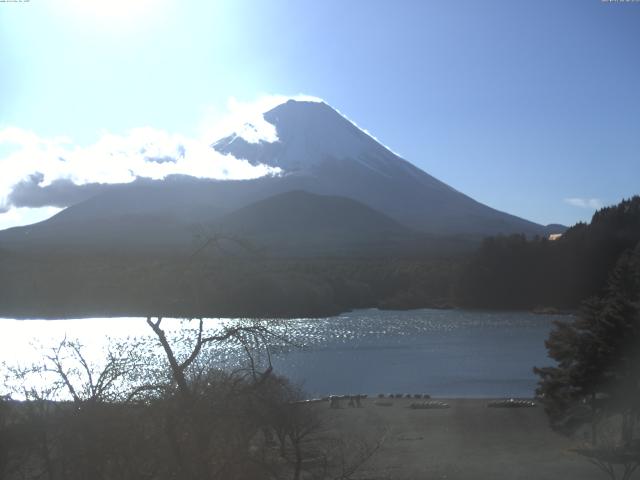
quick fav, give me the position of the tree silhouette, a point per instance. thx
(597, 376)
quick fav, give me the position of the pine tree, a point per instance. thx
(598, 357)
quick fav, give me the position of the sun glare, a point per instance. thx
(114, 11)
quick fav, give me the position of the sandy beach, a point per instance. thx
(466, 441)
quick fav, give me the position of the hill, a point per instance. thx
(299, 223)
(516, 272)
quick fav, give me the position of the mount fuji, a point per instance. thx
(348, 189)
(321, 151)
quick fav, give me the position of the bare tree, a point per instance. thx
(137, 414)
(192, 424)
(72, 421)
(86, 382)
(248, 334)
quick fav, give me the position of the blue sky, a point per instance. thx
(532, 107)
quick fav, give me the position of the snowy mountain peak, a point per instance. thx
(308, 135)
(320, 151)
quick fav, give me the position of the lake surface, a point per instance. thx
(446, 353)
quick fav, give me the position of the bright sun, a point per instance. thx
(113, 11)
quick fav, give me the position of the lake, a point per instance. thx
(445, 353)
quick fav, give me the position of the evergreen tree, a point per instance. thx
(598, 357)
(521, 273)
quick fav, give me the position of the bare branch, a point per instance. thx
(76, 348)
(196, 350)
(143, 388)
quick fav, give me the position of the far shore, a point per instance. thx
(83, 315)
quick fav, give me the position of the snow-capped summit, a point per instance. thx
(308, 134)
(331, 155)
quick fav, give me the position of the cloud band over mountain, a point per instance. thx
(39, 172)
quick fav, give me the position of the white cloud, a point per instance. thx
(589, 203)
(143, 152)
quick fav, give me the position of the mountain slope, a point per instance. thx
(335, 157)
(301, 223)
(319, 152)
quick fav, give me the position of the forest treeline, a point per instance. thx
(505, 272)
(519, 273)
(63, 285)
(592, 391)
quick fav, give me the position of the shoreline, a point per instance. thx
(115, 315)
(466, 441)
